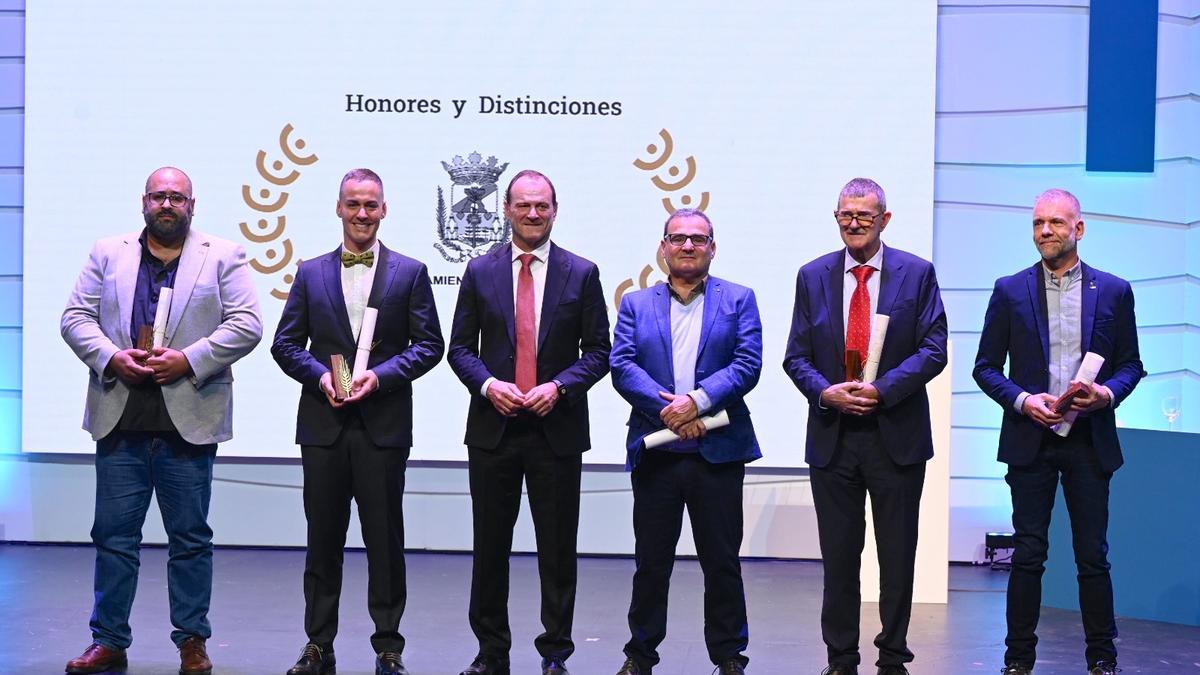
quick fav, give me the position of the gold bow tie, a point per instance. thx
(351, 259)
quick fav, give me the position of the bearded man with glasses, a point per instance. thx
(866, 438)
(157, 411)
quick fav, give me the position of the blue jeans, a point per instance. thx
(130, 466)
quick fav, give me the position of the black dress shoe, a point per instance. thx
(482, 666)
(554, 666)
(1104, 668)
(314, 661)
(389, 663)
(630, 667)
(840, 669)
(98, 659)
(892, 670)
(731, 667)
(1017, 669)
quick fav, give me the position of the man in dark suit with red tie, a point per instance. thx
(866, 438)
(530, 337)
(1043, 320)
(356, 447)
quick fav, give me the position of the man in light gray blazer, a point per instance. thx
(157, 414)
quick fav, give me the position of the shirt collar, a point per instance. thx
(697, 292)
(374, 249)
(148, 256)
(542, 252)
(1075, 271)
(876, 260)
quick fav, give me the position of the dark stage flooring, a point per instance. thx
(257, 611)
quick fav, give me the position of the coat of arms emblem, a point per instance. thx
(470, 230)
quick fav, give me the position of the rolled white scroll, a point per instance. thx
(1088, 369)
(366, 335)
(160, 316)
(664, 436)
(879, 327)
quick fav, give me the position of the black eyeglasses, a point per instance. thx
(175, 198)
(698, 240)
(844, 217)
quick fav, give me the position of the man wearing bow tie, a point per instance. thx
(530, 337)
(866, 438)
(356, 447)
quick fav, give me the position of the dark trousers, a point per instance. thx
(860, 466)
(664, 484)
(1072, 461)
(132, 466)
(354, 468)
(553, 485)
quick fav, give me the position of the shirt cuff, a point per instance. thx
(486, 383)
(1019, 405)
(1111, 399)
(701, 399)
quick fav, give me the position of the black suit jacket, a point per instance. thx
(573, 343)
(315, 325)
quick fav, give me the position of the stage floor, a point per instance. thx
(257, 612)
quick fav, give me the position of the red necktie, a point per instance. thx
(858, 328)
(526, 331)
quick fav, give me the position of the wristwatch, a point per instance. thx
(562, 388)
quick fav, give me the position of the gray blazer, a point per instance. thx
(214, 321)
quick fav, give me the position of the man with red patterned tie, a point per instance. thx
(866, 438)
(530, 337)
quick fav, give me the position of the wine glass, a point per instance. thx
(1170, 410)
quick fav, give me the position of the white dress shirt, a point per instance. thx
(537, 268)
(357, 281)
(849, 283)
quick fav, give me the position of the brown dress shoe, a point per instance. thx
(193, 657)
(98, 659)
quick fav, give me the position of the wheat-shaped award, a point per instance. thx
(341, 377)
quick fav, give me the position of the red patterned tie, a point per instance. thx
(526, 331)
(858, 329)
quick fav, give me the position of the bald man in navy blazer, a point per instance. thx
(867, 438)
(530, 337)
(1042, 320)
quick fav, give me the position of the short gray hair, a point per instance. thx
(1059, 193)
(684, 213)
(360, 175)
(861, 187)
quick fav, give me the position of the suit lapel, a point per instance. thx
(712, 302)
(385, 274)
(558, 269)
(834, 278)
(662, 317)
(1089, 294)
(128, 261)
(502, 289)
(1036, 285)
(191, 261)
(331, 269)
(891, 279)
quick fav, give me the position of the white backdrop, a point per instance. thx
(776, 106)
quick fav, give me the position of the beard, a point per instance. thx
(169, 230)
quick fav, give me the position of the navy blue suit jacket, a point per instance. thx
(1015, 328)
(914, 352)
(728, 364)
(573, 343)
(315, 325)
